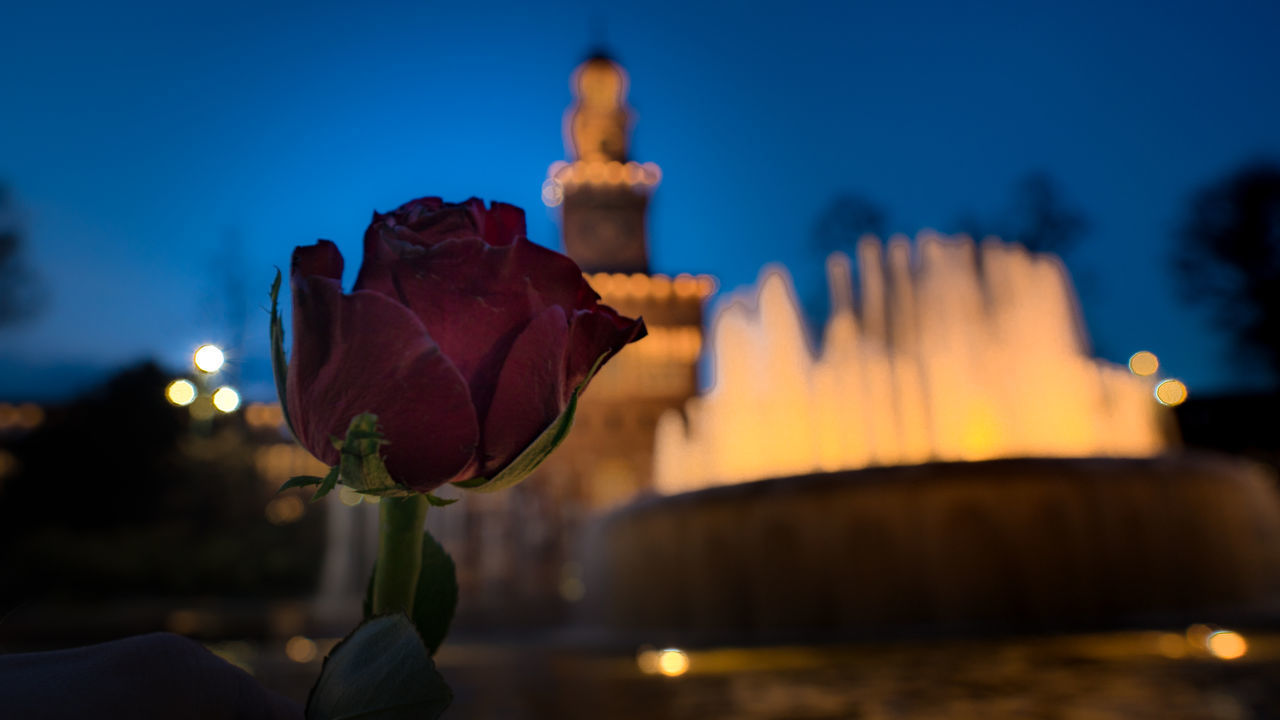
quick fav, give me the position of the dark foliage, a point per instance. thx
(1228, 259)
(19, 289)
(845, 219)
(115, 495)
(1037, 217)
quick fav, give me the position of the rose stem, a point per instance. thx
(395, 577)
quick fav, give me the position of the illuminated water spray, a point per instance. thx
(962, 352)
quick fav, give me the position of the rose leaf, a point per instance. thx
(279, 365)
(300, 481)
(381, 671)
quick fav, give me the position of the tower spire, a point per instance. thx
(603, 195)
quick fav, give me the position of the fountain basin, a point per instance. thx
(1000, 545)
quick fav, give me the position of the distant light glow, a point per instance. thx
(226, 399)
(673, 662)
(893, 383)
(8, 462)
(209, 358)
(1172, 645)
(1226, 645)
(202, 408)
(180, 392)
(1144, 363)
(349, 497)
(572, 588)
(300, 649)
(647, 659)
(1171, 392)
(285, 509)
(263, 416)
(1198, 634)
(552, 193)
(30, 415)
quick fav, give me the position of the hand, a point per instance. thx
(148, 676)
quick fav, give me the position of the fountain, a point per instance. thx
(952, 459)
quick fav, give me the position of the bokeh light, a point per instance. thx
(1172, 645)
(1144, 363)
(226, 399)
(673, 662)
(1198, 634)
(180, 392)
(300, 649)
(552, 193)
(647, 659)
(349, 497)
(8, 463)
(1226, 645)
(209, 358)
(285, 509)
(1171, 392)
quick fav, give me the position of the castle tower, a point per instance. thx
(517, 552)
(603, 198)
(603, 195)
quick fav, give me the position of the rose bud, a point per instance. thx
(468, 342)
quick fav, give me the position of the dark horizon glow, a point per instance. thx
(166, 158)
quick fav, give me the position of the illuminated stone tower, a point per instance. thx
(518, 551)
(603, 198)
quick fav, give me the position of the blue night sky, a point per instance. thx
(166, 157)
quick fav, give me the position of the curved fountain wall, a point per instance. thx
(951, 458)
(1020, 544)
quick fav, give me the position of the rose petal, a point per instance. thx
(593, 333)
(365, 353)
(475, 299)
(527, 396)
(503, 224)
(322, 259)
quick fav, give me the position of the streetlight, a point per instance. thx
(195, 394)
(208, 359)
(226, 399)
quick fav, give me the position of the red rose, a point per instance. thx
(463, 337)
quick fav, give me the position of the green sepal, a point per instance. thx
(362, 467)
(538, 450)
(327, 484)
(279, 365)
(435, 598)
(439, 501)
(300, 481)
(381, 671)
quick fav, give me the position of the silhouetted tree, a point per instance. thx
(18, 290)
(1037, 218)
(1228, 258)
(844, 219)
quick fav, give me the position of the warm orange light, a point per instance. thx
(1171, 392)
(285, 509)
(647, 660)
(300, 649)
(8, 462)
(944, 351)
(673, 662)
(1143, 363)
(226, 399)
(1172, 645)
(1226, 645)
(180, 392)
